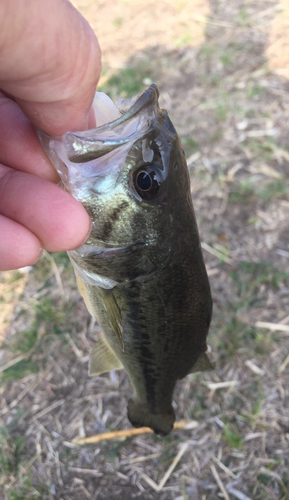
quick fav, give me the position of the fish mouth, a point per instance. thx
(90, 251)
(85, 258)
(100, 153)
(133, 262)
(81, 148)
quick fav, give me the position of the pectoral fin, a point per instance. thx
(113, 312)
(203, 364)
(102, 359)
(83, 293)
(110, 305)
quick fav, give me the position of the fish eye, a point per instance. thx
(144, 181)
(147, 183)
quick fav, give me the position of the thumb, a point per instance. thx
(50, 62)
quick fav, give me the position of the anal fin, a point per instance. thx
(102, 359)
(203, 364)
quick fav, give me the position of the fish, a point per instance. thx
(141, 271)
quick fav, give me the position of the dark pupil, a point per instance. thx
(144, 181)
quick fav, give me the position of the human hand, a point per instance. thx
(49, 68)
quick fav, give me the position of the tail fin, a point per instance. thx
(140, 416)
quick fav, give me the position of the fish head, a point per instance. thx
(130, 175)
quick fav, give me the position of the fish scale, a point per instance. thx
(141, 271)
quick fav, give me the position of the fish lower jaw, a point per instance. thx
(139, 415)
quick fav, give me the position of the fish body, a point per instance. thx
(141, 271)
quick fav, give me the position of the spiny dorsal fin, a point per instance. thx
(102, 359)
(202, 364)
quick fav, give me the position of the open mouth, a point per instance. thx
(117, 124)
(100, 152)
(105, 110)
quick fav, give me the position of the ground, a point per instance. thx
(222, 69)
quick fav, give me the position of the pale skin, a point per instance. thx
(49, 68)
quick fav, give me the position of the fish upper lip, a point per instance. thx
(147, 98)
(76, 142)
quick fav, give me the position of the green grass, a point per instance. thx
(68, 454)
(264, 148)
(11, 451)
(235, 336)
(61, 259)
(251, 275)
(222, 110)
(212, 79)
(190, 145)
(241, 192)
(183, 40)
(198, 397)
(118, 22)
(113, 449)
(26, 491)
(26, 341)
(227, 58)
(255, 90)
(47, 324)
(217, 135)
(250, 190)
(46, 319)
(262, 478)
(242, 18)
(256, 398)
(234, 440)
(207, 51)
(128, 81)
(20, 370)
(13, 276)
(251, 280)
(274, 189)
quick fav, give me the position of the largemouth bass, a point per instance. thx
(141, 271)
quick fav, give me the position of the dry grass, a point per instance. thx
(231, 109)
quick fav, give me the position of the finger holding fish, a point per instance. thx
(19, 146)
(18, 246)
(35, 212)
(43, 209)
